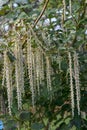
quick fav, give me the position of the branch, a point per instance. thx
(42, 12)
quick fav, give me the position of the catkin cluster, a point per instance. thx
(36, 61)
(38, 65)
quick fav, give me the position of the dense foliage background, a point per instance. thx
(60, 30)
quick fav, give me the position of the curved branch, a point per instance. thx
(42, 12)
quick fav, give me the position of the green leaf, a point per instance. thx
(25, 116)
(63, 126)
(10, 125)
(4, 10)
(23, 15)
(36, 126)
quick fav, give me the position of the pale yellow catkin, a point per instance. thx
(70, 7)
(38, 70)
(11, 84)
(17, 76)
(21, 68)
(3, 72)
(34, 71)
(41, 65)
(71, 83)
(77, 80)
(30, 68)
(48, 74)
(8, 83)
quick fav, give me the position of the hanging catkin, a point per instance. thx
(30, 68)
(48, 74)
(34, 71)
(8, 83)
(77, 81)
(10, 76)
(17, 76)
(41, 65)
(70, 7)
(3, 72)
(4, 68)
(71, 83)
(21, 69)
(38, 70)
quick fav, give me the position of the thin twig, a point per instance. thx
(42, 12)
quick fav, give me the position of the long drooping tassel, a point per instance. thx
(11, 84)
(3, 73)
(21, 68)
(8, 83)
(41, 66)
(38, 70)
(70, 7)
(30, 68)
(71, 83)
(34, 72)
(77, 81)
(17, 76)
(48, 74)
